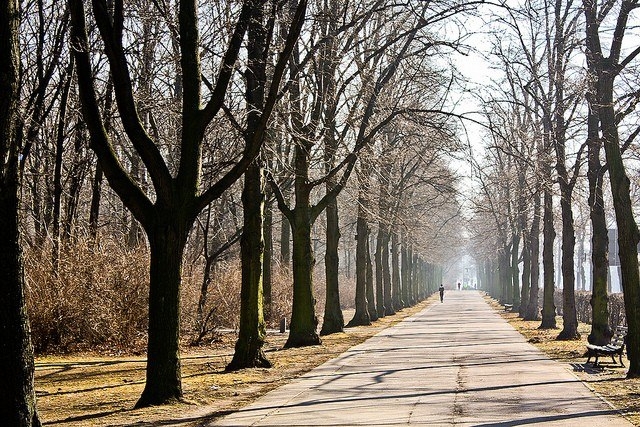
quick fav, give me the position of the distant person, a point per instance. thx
(441, 289)
(459, 285)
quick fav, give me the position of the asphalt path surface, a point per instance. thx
(454, 363)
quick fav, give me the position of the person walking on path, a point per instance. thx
(481, 373)
(441, 289)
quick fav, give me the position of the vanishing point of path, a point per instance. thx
(455, 363)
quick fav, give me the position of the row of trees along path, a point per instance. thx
(548, 113)
(324, 76)
(293, 99)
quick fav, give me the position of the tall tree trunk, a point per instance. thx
(549, 233)
(267, 266)
(285, 239)
(304, 322)
(248, 350)
(380, 309)
(167, 240)
(96, 183)
(515, 271)
(415, 278)
(526, 276)
(601, 331)
(361, 316)
(333, 320)
(405, 273)
(96, 194)
(410, 276)
(386, 275)
(533, 310)
(77, 173)
(371, 298)
(581, 282)
(569, 316)
(57, 170)
(628, 235)
(398, 302)
(17, 392)
(505, 275)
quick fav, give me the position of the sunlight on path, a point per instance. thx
(454, 363)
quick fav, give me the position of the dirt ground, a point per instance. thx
(91, 390)
(608, 380)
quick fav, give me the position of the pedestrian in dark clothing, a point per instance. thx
(441, 293)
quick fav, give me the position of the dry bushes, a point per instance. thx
(583, 307)
(95, 299)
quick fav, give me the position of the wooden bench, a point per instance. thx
(615, 347)
(508, 307)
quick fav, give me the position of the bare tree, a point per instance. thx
(604, 70)
(168, 213)
(17, 392)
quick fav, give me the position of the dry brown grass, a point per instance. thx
(609, 381)
(85, 390)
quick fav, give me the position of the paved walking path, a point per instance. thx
(455, 363)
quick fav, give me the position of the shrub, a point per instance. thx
(95, 299)
(583, 307)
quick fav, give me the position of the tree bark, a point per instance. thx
(628, 235)
(17, 392)
(398, 302)
(533, 310)
(526, 274)
(285, 239)
(515, 272)
(601, 331)
(386, 275)
(405, 274)
(167, 240)
(410, 276)
(248, 350)
(371, 299)
(361, 316)
(380, 301)
(569, 316)
(604, 71)
(333, 320)
(505, 275)
(304, 322)
(267, 267)
(548, 305)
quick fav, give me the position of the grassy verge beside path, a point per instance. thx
(90, 390)
(609, 381)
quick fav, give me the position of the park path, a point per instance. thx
(454, 363)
